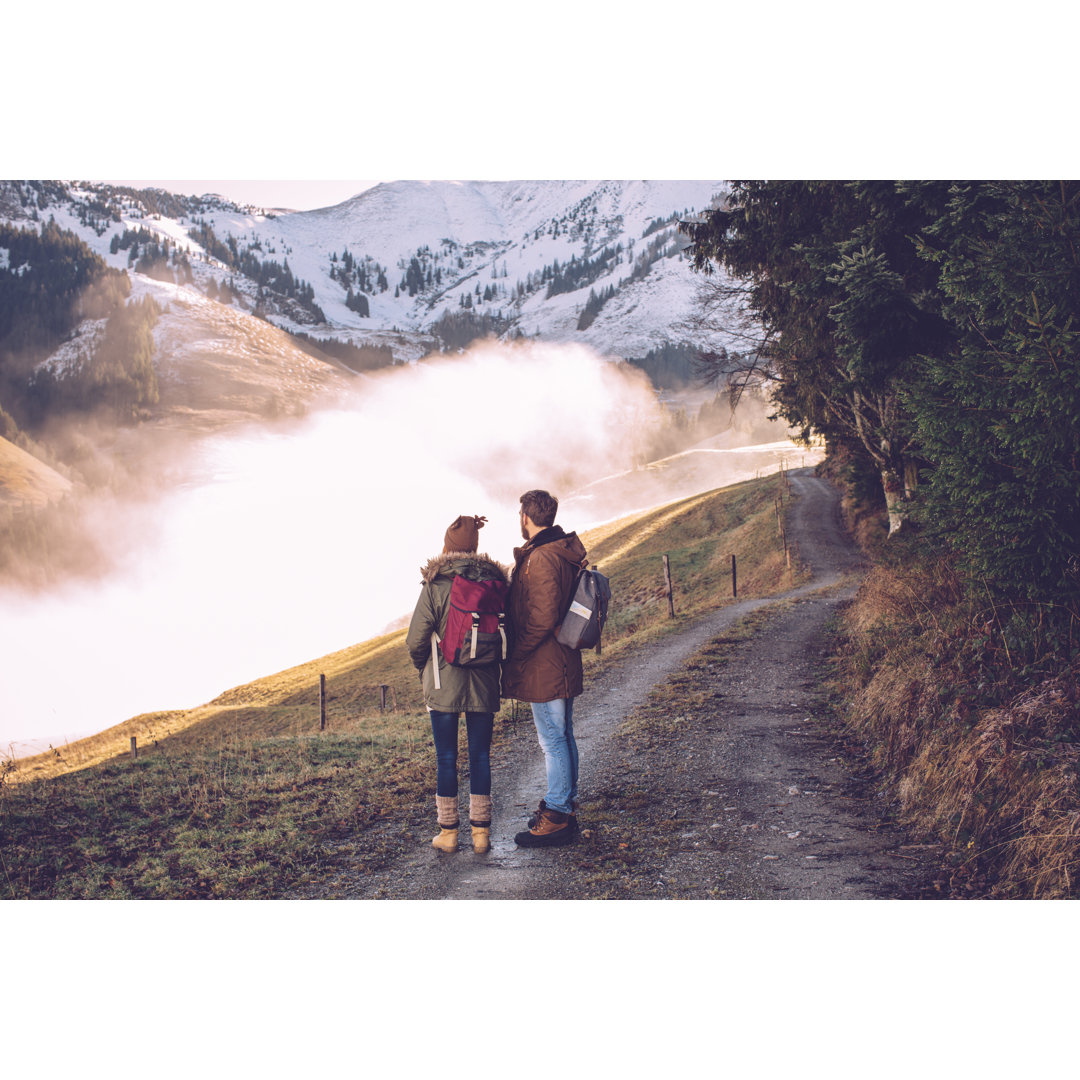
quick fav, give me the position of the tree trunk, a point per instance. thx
(911, 479)
(894, 494)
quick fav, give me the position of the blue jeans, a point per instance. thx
(554, 722)
(444, 729)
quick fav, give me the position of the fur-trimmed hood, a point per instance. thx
(476, 567)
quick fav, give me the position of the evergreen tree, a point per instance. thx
(358, 302)
(52, 281)
(998, 413)
(845, 302)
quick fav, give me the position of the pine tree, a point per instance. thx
(998, 413)
(834, 274)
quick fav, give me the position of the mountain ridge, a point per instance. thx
(483, 250)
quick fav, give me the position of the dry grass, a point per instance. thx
(25, 481)
(699, 535)
(283, 704)
(974, 723)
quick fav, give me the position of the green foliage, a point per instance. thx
(414, 277)
(998, 414)
(662, 246)
(844, 299)
(154, 201)
(124, 373)
(52, 282)
(358, 302)
(459, 329)
(578, 273)
(872, 316)
(357, 357)
(119, 376)
(662, 223)
(226, 251)
(933, 325)
(593, 305)
(669, 366)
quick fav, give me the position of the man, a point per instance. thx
(539, 669)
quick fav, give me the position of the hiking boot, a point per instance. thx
(446, 841)
(447, 812)
(551, 829)
(480, 822)
(573, 817)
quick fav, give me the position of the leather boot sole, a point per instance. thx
(553, 839)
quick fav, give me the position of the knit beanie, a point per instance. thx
(463, 533)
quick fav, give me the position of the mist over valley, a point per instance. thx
(274, 497)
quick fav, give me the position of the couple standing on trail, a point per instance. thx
(537, 668)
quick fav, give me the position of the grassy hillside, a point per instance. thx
(26, 481)
(970, 716)
(246, 797)
(969, 708)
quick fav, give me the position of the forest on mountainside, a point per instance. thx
(50, 284)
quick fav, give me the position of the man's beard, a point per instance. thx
(524, 534)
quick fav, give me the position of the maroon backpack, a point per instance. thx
(475, 632)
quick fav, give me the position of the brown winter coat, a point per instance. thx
(463, 689)
(545, 569)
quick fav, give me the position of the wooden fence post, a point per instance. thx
(734, 585)
(134, 748)
(383, 687)
(322, 702)
(667, 580)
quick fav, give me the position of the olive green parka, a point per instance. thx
(463, 689)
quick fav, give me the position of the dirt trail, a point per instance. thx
(752, 800)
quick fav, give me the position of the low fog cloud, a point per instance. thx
(287, 545)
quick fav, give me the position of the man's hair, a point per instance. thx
(541, 507)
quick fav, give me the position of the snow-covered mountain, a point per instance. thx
(597, 262)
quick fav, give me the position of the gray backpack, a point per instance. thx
(584, 620)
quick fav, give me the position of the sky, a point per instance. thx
(266, 193)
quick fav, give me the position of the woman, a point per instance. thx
(450, 689)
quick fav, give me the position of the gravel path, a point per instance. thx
(728, 786)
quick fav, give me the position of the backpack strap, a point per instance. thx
(435, 658)
(475, 630)
(502, 632)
